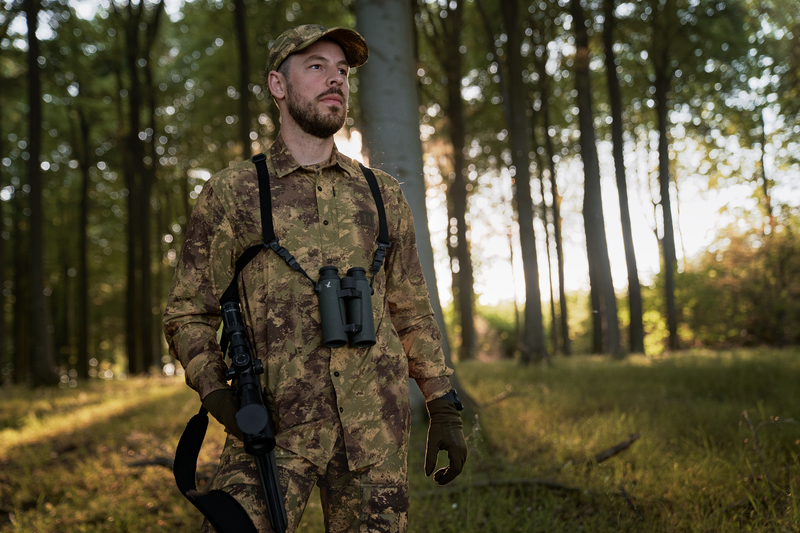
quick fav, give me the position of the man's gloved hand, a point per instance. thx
(223, 404)
(445, 433)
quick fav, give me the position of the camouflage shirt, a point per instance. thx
(324, 214)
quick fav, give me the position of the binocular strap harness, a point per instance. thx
(220, 508)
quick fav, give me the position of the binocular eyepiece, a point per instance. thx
(345, 306)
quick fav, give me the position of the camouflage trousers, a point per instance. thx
(373, 499)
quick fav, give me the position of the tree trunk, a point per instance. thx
(22, 305)
(602, 287)
(134, 164)
(615, 96)
(41, 357)
(544, 81)
(83, 246)
(240, 25)
(533, 340)
(139, 306)
(390, 113)
(663, 82)
(3, 270)
(463, 278)
(553, 316)
(765, 182)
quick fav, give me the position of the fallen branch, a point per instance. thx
(604, 455)
(628, 499)
(614, 450)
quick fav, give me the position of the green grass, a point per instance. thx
(66, 454)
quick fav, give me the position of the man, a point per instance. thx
(341, 415)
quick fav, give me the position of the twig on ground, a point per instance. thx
(604, 455)
(608, 453)
(628, 499)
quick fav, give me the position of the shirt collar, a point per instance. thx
(284, 162)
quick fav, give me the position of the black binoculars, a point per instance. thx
(345, 306)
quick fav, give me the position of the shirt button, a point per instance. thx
(319, 188)
(325, 222)
(336, 374)
(341, 410)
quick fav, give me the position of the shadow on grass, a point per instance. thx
(80, 477)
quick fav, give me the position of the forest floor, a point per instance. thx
(695, 441)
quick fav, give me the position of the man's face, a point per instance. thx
(317, 89)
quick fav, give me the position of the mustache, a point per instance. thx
(332, 90)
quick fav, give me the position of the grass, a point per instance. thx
(66, 454)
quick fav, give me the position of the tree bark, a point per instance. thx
(463, 278)
(765, 182)
(615, 97)
(22, 304)
(554, 323)
(602, 287)
(133, 175)
(533, 340)
(3, 270)
(240, 25)
(41, 357)
(83, 247)
(389, 112)
(662, 87)
(139, 308)
(544, 81)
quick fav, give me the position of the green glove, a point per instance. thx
(223, 404)
(445, 433)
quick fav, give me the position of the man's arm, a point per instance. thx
(410, 309)
(193, 316)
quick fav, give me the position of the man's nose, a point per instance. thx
(336, 79)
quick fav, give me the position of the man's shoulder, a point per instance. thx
(355, 167)
(234, 176)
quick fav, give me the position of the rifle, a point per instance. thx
(253, 418)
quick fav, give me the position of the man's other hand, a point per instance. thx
(445, 433)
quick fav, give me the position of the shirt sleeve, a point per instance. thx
(192, 316)
(410, 309)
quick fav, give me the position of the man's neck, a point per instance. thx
(307, 149)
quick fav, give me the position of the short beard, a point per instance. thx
(321, 125)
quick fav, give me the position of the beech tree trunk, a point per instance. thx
(240, 24)
(461, 260)
(604, 303)
(662, 87)
(532, 342)
(41, 355)
(390, 118)
(615, 96)
(544, 86)
(83, 246)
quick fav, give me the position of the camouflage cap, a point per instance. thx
(300, 37)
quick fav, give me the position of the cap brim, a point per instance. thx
(354, 46)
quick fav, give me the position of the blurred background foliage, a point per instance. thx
(110, 127)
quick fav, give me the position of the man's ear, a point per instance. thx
(277, 85)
